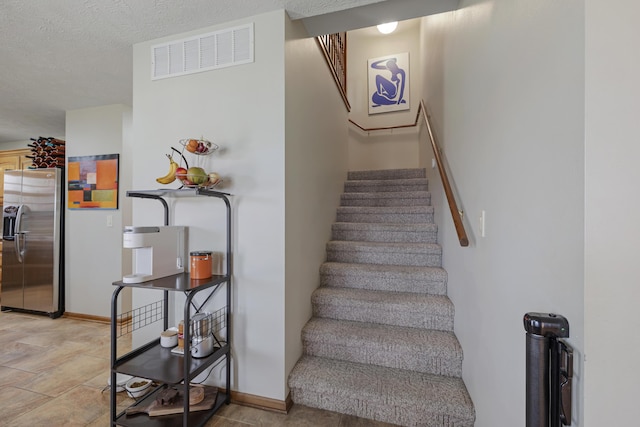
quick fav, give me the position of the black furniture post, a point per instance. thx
(548, 370)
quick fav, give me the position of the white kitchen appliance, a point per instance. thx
(156, 251)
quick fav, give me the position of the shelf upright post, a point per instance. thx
(114, 353)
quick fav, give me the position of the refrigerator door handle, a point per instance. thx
(19, 234)
(18, 242)
(18, 224)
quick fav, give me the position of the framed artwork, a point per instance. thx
(388, 83)
(92, 182)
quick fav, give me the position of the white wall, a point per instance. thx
(242, 109)
(17, 145)
(93, 256)
(382, 149)
(612, 270)
(316, 164)
(505, 81)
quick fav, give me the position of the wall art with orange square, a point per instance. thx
(92, 182)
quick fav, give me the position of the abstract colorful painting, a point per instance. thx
(389, 83)
(92, 182)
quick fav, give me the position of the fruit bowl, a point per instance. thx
(207, 184)
(197, 177)
(200, 147)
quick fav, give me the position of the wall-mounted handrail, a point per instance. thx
(448, 191)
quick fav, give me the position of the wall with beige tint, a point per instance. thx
(382, 149)
(505, 81)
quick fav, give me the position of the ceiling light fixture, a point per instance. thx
(387, 28)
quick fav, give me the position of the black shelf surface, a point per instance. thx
(177, 282)
(177, 192)
(159, 364)
(198, 418)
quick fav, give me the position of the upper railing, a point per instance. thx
(448, 191)
(334, 47)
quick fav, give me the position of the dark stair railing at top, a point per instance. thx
(453, 206)
(334, 48)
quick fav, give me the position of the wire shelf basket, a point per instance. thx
(140, 317)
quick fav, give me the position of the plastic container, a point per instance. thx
(201, 264)
(169, 338)
(137, 387)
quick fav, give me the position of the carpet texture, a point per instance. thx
(380, 344)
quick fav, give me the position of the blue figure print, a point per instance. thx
(389, 91)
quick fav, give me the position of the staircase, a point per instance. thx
(380, 344)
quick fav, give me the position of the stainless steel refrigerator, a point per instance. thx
(33, 242)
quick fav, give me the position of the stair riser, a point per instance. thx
(414, 360)
(385, 236)
(366, 187)
(383, 315)
(387, 174)
(398, 218)
(386, 201)
(419, 285)
(390, 258)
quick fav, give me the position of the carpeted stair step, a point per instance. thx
(384, 232)
(418, 254)
(389, 395)
(429, 280)
(388, 185)
(387, 174)
(389, 308)
(420, 350)
(392, 214)
(400, 198)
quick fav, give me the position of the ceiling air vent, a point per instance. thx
(224, 48)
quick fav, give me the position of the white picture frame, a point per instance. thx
(388, 83)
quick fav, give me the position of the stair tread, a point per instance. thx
(411, 279)
(387, 338)
(414, 310)
(386, 226)
(386, 209)
(374, 182)
(386, 173)
(375, 269)
(346, 245)
(422, 303)
(387, 195)
(385, 394)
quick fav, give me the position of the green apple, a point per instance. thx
(197, 175)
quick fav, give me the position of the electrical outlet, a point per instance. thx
(109, 220)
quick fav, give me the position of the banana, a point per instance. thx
(171, 175)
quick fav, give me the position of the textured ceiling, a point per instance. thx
(69, 54)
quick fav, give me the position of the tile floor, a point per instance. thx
(53, 373)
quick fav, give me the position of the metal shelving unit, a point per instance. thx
(157, 363)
